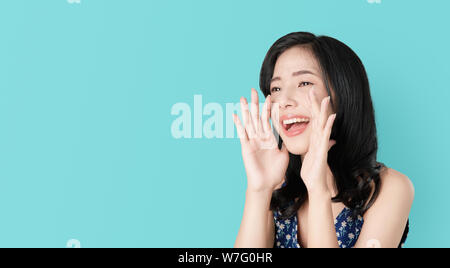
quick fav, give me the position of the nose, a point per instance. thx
(286, 101)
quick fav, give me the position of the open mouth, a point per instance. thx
(294, 125)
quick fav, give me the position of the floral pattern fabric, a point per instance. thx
(347, 227)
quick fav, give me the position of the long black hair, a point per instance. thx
(352, 160)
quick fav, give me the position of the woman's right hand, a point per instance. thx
(265, 164)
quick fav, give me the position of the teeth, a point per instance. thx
(295, 120)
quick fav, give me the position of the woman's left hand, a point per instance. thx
(315, 168)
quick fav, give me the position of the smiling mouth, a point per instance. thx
(289, 123)
(295, 125)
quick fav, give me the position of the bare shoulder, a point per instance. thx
(395, 184)
(386, 219)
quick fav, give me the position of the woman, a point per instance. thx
(319, 184)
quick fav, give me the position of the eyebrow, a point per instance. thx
(294, 74)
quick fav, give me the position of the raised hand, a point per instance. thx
(314, 165)
(265, 164)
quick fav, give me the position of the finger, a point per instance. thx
(276, 125)
(275, 115)
(328, 127)
(323, 112)
(265, 115)
(240, 130)
(315, 109)
(254, 110)
(248, 124)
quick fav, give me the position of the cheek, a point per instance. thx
(321, 96)
(297, 147)
(320, 90)
(298, 144)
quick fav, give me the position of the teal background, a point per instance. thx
(86, 91)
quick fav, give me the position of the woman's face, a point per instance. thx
(296, 72)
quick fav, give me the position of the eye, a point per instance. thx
(302, 84)
(275, 89)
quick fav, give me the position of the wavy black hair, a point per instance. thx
(352, 160)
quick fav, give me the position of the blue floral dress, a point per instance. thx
(347, 230)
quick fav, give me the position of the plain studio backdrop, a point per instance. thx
(87, 155)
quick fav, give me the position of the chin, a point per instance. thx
(296, 145)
